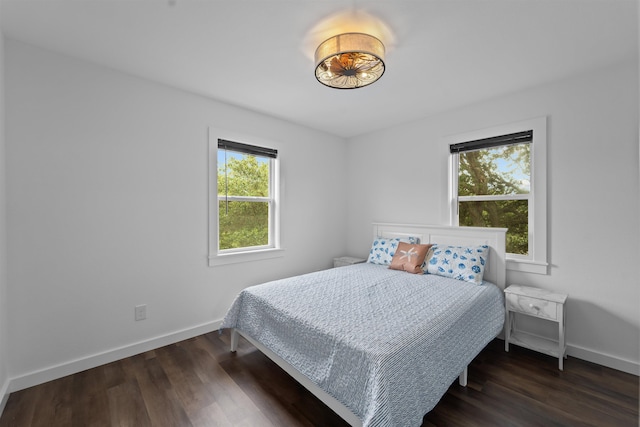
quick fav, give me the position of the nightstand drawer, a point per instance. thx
(532, 306)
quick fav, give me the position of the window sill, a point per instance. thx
(527, 266)
(248, 256)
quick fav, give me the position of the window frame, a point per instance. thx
(536, 261)
(251, 253)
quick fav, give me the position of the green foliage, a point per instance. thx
(243, 223)
(479, 175)
(510, 214)
(244, 176)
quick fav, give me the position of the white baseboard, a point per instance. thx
(599, 358)
(603, 359)
(58, 371)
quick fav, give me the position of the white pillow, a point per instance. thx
(459, 262)
(383, 249)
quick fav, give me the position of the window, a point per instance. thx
(494, 186)
(496, 182)
(244, 202)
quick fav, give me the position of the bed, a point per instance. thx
(379, 346)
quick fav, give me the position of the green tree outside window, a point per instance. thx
(243, 201)
(493, 190)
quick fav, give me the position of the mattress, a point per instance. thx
(385, 343)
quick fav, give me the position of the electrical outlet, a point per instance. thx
(141, 312)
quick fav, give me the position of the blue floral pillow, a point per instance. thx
(383, 249)
(459, 262)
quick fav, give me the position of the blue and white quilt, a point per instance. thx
(385, 343)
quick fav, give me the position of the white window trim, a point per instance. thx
(536, 261)
(274, 249)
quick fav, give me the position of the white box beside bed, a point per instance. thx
(495, 271)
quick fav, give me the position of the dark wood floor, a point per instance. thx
(198, 382)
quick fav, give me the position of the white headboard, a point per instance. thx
(495, 271)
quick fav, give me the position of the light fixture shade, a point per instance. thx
(349, 61)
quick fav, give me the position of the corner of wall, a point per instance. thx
(4, 376)
(4, 396)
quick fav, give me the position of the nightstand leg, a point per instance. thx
(561, 343)
(507, 331)
(560, 363)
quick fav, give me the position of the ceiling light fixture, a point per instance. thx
(349, 61)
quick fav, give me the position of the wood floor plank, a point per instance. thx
(472, 407)
(20, 408)
(126, 404)
(235, 405)
(179, 369)
(57, 409)
(520, 408)
(91, 410)
(199, 382)
(161, 401)
(211, 416)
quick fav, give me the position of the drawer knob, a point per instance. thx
(534, 307)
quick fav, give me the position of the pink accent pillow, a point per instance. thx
(409, 257)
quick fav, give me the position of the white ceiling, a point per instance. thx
(258, 54)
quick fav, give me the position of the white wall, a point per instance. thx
(400, 175)
(4, 346)
(107, 195)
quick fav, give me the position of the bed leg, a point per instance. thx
(462, 379)
(234, 340)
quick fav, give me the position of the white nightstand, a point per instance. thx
(541, 304)
(347, 260)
